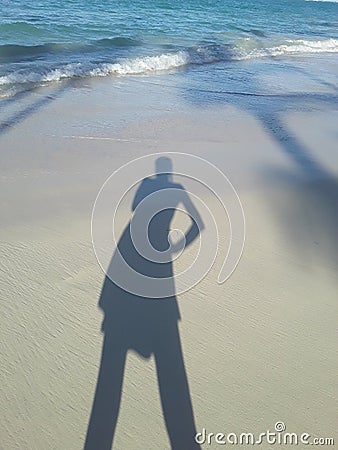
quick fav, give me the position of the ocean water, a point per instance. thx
(47, 41)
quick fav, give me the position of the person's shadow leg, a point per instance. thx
(174, 391)
(105, 410)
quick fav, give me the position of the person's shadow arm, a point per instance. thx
(196, 227)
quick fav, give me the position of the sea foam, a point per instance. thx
(326, 1)
(138, 65)
(291, 47)
(245, 49)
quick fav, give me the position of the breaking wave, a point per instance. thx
(245, 48)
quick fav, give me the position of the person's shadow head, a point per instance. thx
(164, 168)
(147, 326)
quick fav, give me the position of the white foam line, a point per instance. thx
(103, 138)
(324, 1)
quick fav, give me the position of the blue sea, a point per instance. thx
(45, 41)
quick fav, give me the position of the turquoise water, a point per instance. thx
(53, 40)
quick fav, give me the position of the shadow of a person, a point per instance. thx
(147, 326)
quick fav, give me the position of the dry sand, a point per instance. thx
(258, 349)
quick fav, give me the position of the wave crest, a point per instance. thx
(134, 66)
(245, 49)
(291, 47)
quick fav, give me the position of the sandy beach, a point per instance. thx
(258, 349)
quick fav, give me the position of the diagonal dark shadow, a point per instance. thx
(18, 96)
(21, 115)
(315, 78)
(313, 189)
(146, 326)
(290, 145)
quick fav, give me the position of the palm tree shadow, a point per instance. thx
(146, 326)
